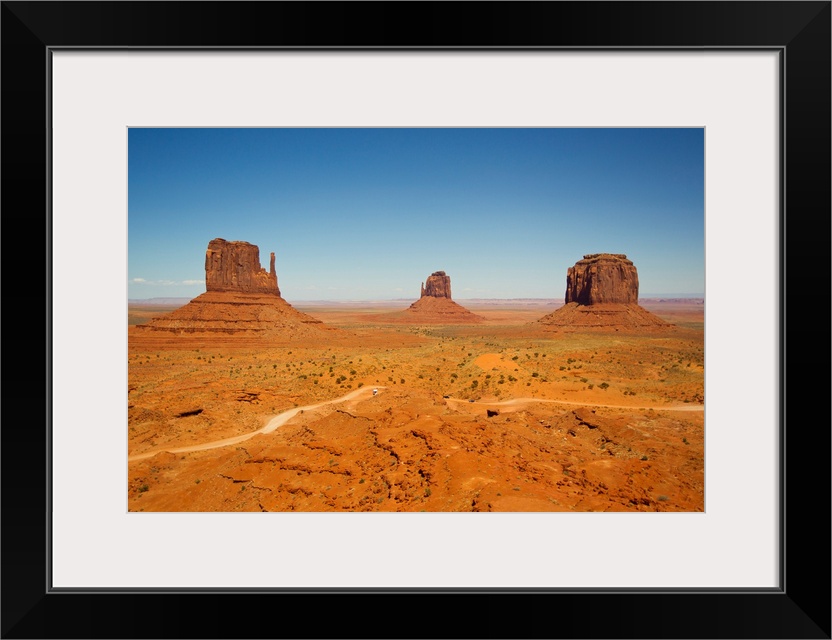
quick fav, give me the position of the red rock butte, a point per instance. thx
(602, 292)
(434, 305)
(241, 300)
(438, 285)
(235, 266)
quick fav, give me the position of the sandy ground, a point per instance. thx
(533, 420)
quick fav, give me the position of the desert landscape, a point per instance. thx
(240, 401)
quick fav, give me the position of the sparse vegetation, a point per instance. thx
(519, 448)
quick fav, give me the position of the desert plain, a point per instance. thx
(370, 413)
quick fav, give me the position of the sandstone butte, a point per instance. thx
(602, 292)
(434, 305)
(241, 300)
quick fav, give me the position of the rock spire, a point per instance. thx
(241, 300)
(235, 266)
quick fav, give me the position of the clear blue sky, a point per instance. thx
(368, 214)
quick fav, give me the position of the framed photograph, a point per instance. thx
(92, 90)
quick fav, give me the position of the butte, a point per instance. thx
(241, 300)
(435, 306)
(602, 292)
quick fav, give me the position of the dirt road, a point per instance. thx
(271, 425)
(287, 415)
(526, 401)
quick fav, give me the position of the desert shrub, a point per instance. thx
(535, 374)
(604, 385)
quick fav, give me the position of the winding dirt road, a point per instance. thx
(279, 420)
(525, 401)
(283, 418)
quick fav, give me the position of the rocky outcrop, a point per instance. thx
(602, 293)
(602, 278)
(438, 285)
(235, 266)
(434, 306)
(241, 301)
(438, 310)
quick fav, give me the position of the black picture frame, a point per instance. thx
(799, 31)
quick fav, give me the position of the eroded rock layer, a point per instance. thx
(241, 300)
(432, 310)
(438, 285)
(602, 292)
(235, 266)
(610, 316)
(434, 306)
(602, 278)
(227, 313)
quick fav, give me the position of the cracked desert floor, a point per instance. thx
(505, 415)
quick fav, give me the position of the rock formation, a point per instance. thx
(434, 305)
(241, 300)
(602, 292)
(602, 278)
(438, 285)
(235, 266)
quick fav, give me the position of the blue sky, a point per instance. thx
(368, 214)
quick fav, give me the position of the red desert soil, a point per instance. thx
(576, 420)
